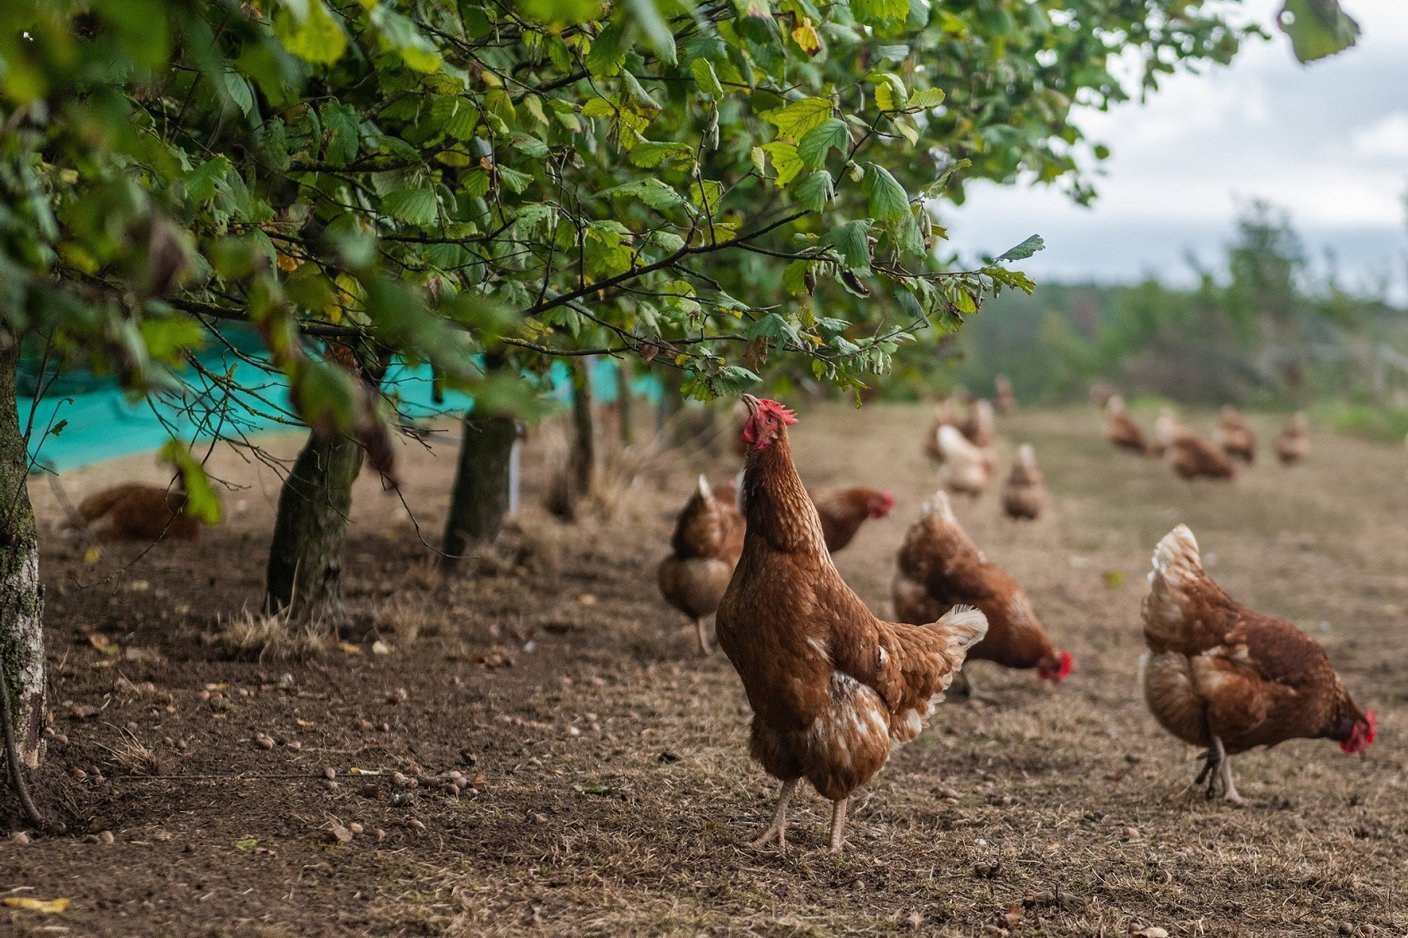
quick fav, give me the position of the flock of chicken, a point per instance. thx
(833, 688)
(1192, 456)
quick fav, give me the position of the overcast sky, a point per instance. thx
(1328, 142)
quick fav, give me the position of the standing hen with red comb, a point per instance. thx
(832, 687)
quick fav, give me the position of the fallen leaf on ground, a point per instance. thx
(48, 906)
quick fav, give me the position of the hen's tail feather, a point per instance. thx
(966, 626)
(1177, 565)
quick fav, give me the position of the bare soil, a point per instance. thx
(609, 790)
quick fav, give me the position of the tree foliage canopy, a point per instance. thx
(700, 185)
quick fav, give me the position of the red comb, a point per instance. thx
(783, 411)
(1068, 664)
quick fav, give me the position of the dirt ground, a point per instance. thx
(607, 786)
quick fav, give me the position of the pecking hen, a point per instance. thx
(1221, 676)
(833, 689)
(939, 567)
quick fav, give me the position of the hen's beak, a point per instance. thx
(751, 403)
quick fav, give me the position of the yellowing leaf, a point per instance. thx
(47, 906)
(805, 36)
(350, 648)
(91, 555)
(797, 118)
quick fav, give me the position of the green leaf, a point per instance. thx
(704, 76)
(650, 154)
(652, 192)
(888, 200)
(315, 38)
(201, 501)
(852, 242)
(890, 93)
(815, 143)
(879, 12)
(1022, 251)
(340, 133)
(785, 161)
(608, 52)
(815, 191)
(733, 379)
(925, 99)
(400, 34)
(794, 120)
(412, 206)
(1317, 28)
(657, 32)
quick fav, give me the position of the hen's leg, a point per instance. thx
(703, 635)
(1210, 760)
(961, 685)
(1229, 790)
(838, 824)
(778, 828)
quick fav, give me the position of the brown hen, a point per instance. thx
(706, 544)
(940, 567)
(832, 688)
(1293, 443)
(1221, 676)
(134, 511)
(843, 511)
(1235, 437)
(1024, 495)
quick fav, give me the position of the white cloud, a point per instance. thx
(1326, 142)
(1386, 138)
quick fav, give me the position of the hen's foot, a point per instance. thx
(777, 830)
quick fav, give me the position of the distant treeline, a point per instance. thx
(1258, 331)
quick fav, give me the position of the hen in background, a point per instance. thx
(1193, 457)
(135, 511)
(1120, 427)
(980, 428)
(1004, 396)
(940, 567)
(843, 511)
(945, 415)
(1024, 495)
(1235, 437)
(966, 469)
(1221, 676)
(706, 545)
(833, 689)
(1293, 443)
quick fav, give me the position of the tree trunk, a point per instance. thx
(304, 576)
(21, 595)
(671, 402)
(481, 496)
(581, 466)
(623, 405)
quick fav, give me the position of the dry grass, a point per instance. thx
(271, 637)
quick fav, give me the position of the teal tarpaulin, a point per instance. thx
(99, 422)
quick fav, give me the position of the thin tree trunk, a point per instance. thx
(21, 595)
(481, 496)
(304, 575)
(670, 403)
(623, 402)
(581, 466)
